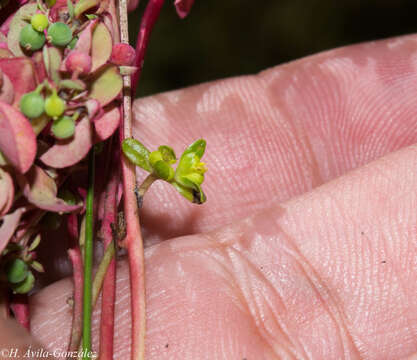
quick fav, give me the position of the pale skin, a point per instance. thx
(307, 246)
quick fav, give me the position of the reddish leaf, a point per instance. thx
(23, 79)
(107, 124)
(6, 90)
(17, 140)
(8, 226)
(84, 40)
(69, 152)
(40, 190)
(183, 7)
(6, 192)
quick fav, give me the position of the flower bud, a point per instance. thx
(30, 39)
(39, 22)
(32, 105)
(63, 128)
(26, 285)
(123, 55)
(79, 62)
(16, 271)
(59, 34)
(54, 106)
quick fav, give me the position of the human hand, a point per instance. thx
(324, 265)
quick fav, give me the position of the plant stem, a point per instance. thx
(147, 23)
(88, 259)
(133, 238)
(101, 274)
(143, 188)
(77, 310)
(109, 220)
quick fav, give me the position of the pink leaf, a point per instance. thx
(132, 5)
(6, 90)
(183, 7)
(69, 152)
(6, 192)
(40, 190)
(107, 124)
(17, 140)
(85, 38)
(23, 80)
(8, 225)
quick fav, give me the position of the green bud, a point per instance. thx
(32, 105)
(154, 157)
(63, 128)
(50, 3)
(54, 106)
(168, 154)
(163, 170)
(26, 285)
(195, 178)
(59, 34)
(30, 39)
(16, 271)
(39, 22)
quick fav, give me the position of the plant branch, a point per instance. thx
(20, 307)
(109, 287)
(77, 310)
(88, 259)
(148, 21)
(133, 238)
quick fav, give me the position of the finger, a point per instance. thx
(281, 133)
(16, 342)
(328, 275)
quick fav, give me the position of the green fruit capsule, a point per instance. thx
(30, 39)
(63, 128)
(54, 106)
(16, 271)
(32, 105)
(26, 285)
(39, 22)
(60, 34)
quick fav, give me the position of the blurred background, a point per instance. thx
(223, 38)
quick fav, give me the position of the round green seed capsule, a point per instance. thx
(16, 271)
(39, 22)
(26, 285)
(54, 106)
(32, 105)
(30, 39)
(60, 34)
(63, 128)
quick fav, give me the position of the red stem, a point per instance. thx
(77, 266)
(20, 308)
(149, 18)
(109, 285)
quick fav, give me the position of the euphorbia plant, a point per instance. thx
(66, 72)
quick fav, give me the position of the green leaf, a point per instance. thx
(168, 154)
(70, 7)
(137, 153)
(16, 271)
(84, 5)
(196, 196)
(37, 266)
(72, 84)
(106, 85)
(163, 170)
(35, 243)
(198, 147)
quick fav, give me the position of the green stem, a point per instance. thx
(88, 260)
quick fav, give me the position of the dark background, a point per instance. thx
(222, 38)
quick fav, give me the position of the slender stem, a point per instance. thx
(148, 21)
(77, 268)
(133, 238)
(101, 274)
(109, 220)
(143, 188)
(88, 259)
